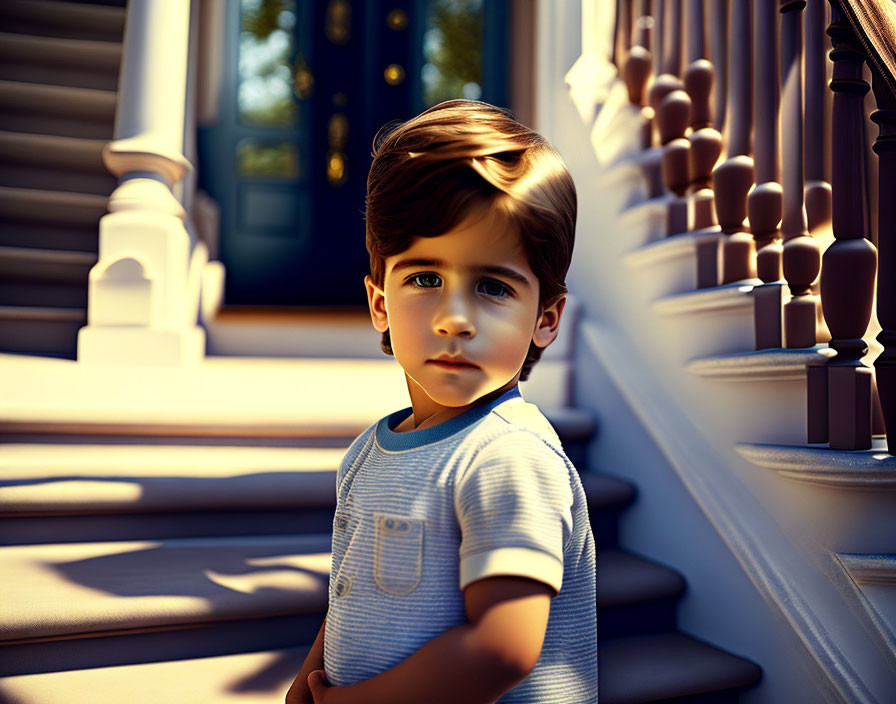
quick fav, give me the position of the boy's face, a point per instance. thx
(469, 294)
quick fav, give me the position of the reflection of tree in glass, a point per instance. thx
(453, 49)
(261, 17)
(266, 44)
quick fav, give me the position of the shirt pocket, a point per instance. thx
(398, 553)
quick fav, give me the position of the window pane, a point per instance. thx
(452, 49)
(265, 93)
(277, 160)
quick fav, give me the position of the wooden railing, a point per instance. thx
(747, 103)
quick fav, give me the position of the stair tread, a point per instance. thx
(53, 151)
(625, 579)
(91, 54)
(52, 207)
(84, 479)
(769, 364)
(39, 313)
(819, 464)
(69, 101)
(134, 585)
(648, 668)
(246, 678)
(54, 14)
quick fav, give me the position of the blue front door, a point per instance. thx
(306, 85)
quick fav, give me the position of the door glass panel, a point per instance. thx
(267, 46)
(267, 159)
(452, 49)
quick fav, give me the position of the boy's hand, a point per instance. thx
(321, 689)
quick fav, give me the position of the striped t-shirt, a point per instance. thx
(421, 514)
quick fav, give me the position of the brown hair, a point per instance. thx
(429, 174)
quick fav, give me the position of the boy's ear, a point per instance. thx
(376, 299)
(548, 324)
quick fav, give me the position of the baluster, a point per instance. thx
(732, 179)
(706, 142)
(623, 40)
(705, 147)
(764, 203)
(840, 391)
(718, 39)
(673, 117)
(818, 190)
(672, 40)
(659, 24)
(638, 66)
(801, 257)
(885, 148)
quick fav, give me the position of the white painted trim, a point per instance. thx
(773, 560)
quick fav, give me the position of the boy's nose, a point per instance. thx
(453, 319)
(455, 325)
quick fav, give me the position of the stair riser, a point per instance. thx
(200, 641)
(636, 619)
(58, 75)
(11, 120)
(58, 338)
(45, 293)
(21, 26)
(17, 234)
(93, 179)
(35, 530)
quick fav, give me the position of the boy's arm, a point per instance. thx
(476, 662)
(298, 692)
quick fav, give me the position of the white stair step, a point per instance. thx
(872, 469)
(246, 678)
(52, 207)
(82, 478)
(78, 590)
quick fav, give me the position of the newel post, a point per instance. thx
(139, 308)
(840, 391)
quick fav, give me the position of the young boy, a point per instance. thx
(463, 559)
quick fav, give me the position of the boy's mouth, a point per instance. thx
(447, 362)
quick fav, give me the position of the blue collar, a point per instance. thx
(388, 439)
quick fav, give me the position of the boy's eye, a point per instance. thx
(426, 280)
(490, 287)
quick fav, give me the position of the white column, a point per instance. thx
(139, 303)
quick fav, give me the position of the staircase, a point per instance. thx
(153, 560)
(59, 64)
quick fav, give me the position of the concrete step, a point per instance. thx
(57, 110)
(71, 20)
(635, 595)
(49, 332)
(670, 667)
(140, 587)
(80, 63)
(51, 162)
(245, 678)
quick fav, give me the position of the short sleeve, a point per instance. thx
(513, 505)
